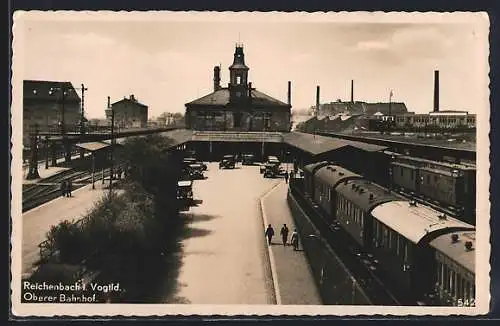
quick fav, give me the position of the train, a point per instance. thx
(421, 250)
(450, 185)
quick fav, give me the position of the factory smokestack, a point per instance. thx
(109, 102)
(317, 100)
(436, 90)
(352, 91)
(289, 93)
(216, 78)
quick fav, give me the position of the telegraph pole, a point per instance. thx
(112, 149)
(82, 120)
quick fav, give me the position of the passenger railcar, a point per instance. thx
(450, 184)
(309, 171)
(355, 200)
(326, 179)
(402, 231)
(455, 268)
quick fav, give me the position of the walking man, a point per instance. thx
(63, 188)
(284, 234)
(269, 233)
(286, 176)
(70, 187)
(295, 240)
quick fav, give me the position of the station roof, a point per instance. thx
(93, 146)
(457, 250)
(179, 136)
(227, 136)
(311, 167)
(415, 222)
(316, 144)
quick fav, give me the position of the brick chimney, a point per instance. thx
(289, 93)
(317, 100)
(352, 91)
(436, 90)
(132, 97)
(109, 102)
(216, 78)
(250, 90)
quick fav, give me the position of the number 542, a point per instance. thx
(466, 302)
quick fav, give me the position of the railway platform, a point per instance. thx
(38, 221)
(293, 280)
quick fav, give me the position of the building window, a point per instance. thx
(238, 80)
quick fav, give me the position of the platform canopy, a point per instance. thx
(93, 146)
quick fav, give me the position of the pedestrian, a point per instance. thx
(63, 188)
(269, 233)
(69, 188)
(284, 234)
(286, 176)
(295, 240)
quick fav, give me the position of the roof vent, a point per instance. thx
(341, 173)
(468, 245)
(361, 190)
(442, 216)
(413, 203)
(371, 197)
(345, 182)
(454, 238)
(334, 169)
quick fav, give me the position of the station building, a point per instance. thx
(239, 106)
(129, 113)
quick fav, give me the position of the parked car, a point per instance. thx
(271, 170)
(191, 160)
(227, 162)
(270, 160)
(248, 159)
(196, 171)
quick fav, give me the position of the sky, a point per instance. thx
(167, 62)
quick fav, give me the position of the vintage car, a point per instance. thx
(191, 160)
(185, 191)
(271, 170)
(247, 159)
(196, 171)
(270, 160)
(227, 162)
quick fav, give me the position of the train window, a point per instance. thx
(401, 171)
(428, 179)
(385, 234)
(397, 244)
(406, 251)
(389, 239)
(435, 178)
(440, 271)
(412, 175)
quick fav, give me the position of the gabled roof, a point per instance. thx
(128, 100)
(221, 98)
(41, 90)
(396, 108)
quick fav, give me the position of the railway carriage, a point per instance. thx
(455, 268)
(326, 180)
(309, 171)
(355, 199)
(402, 232)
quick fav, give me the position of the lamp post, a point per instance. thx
(47, 151)
(82, 118)
(33, 166)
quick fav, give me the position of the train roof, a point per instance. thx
(439, 163)
(364, 194)
(334, 174)
(184, 183)
(414, 222)
(457, 250)
(310, 167)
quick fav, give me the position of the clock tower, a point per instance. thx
(238, 71)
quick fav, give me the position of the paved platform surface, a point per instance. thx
(293, 278)
(226, 259)
(38, 221)
(224, 254)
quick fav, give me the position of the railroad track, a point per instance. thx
(377, 291)
(48, 189)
